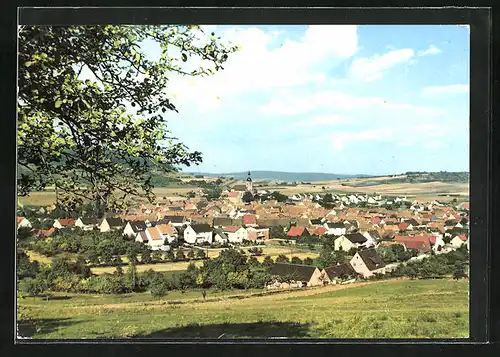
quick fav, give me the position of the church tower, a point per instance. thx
(249, 183)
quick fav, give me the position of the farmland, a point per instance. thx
(399, 308)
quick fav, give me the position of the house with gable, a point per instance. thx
(367, 263)
(22, 222)
(348, 241)
(420, 243)
(235, 234)
(87, 224)
(64, 223)
(133, 227)
(297, 232)
(111, 223)
(298, 275)
(336, 229)
(198, 233)
(339, 273)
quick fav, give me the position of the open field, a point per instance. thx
(421, 191)
(385, 309)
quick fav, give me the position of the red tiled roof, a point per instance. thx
(296, 231)
(417, 242)
(403, 225)
(249, 219)
(231, 229)
(19, 219)
(462, 237)
(154, 233)
(233, 194)
(320, 231)
(66, 221)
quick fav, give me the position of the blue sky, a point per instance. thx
(336, 99)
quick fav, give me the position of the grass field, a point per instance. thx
(384, 309)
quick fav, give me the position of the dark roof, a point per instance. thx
(115, 221)
(371, 258)
(450, 222)
(316, 221)
(239, 187)
(88, 221)
(374, 234)
(222, 221)
(299, 271)
(340, 270)
(175, 208)
(412, 221)
(138, 226)
(201, 228)
(175, 219)
(335, 225)
(220, 232)
(356, 237)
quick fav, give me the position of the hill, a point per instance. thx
(283, 176)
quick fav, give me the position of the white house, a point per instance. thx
(348, 241)
(220, 236)
(197, 233)
(111, 223)
(367, 263)
(23, 222)
(177, 221)
(152, 237)
(87, 224)
(133, 227)
(458, 241)
(337, 229)
(236, 234)
(63, 223)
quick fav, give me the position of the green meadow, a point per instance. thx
(398, 308)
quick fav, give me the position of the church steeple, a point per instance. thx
(249, 183)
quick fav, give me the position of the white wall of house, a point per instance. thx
(238, 236)
(191, 237)
(456, 242)
(344, 243)
(85, 227)
(104, 226)
(57, 224)
(128, 231)
(24, 223)
(336, 231)
(219, 239)
(439, 243)
(360, 267)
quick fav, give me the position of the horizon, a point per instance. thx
(310, 172)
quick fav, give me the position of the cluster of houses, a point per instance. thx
(356, 221)
(365, 263)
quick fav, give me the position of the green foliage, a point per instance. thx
(191, 254)
(200, 253)
(179, 254)
(282, 259)
(156, 256)
(247, 197)
(308, 261)
(146, 257)
(26, 268)
(33, 286)
(296, 260)
(99, 151)
(327, 201)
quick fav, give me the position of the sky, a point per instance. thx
(340, 99)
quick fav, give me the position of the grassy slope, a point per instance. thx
(391, 309)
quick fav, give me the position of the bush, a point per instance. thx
(33, 286)
(282, 259)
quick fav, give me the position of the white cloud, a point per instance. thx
(370, 69)
(323, 120)
(432, 50)
(256, 67)
(300, 104)
(447, 89)
(340, 140)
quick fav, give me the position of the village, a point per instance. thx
(359, 225)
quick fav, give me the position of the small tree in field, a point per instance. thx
(157, 256)
(191, 254)
(200, 253)
(179, 254)
(146, 257)
(170, 255)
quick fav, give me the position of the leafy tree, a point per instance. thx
(308, 261)
(146, 257)
(247, 197)
(267, 262)
(91, 256)
(459, 271)
(327, 201)
(253, 262)
(179, 254)
(33, 286)
(387, 254)
(296, 260)
(156, 256)
(200, 253)
(170, 255)
(278, 196)
(159, 285)
(282, 259)
(191, 254)
(76, 134)
(118, 271)
(26, 268)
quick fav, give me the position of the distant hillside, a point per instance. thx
(282, 176)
